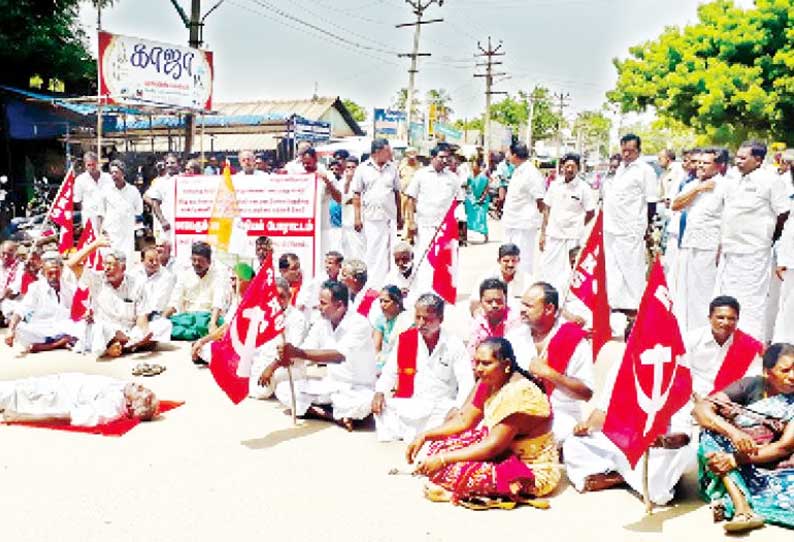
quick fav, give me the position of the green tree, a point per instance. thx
(665, 133)
(441, 99)
(399, 100)
(729, 76)
(45, 38)
(594, 127)
(359, 113)
(513, 111)
(468, 124)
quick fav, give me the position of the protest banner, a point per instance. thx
(283, 207)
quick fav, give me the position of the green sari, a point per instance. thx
(476, 212)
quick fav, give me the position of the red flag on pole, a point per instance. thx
(653, 383)
(258, 319)
(443, 257)
(589, 284)
(62, 211)
(94, 260)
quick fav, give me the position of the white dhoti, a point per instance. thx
(8, 306)
(102, 332)
(404, 418)
(697, 275)
(670, 259)
(772, 301)
(424, 272)
(261, 362)
(379, 235)
(784, 322)
(626, 267)
(354, 245)
(746, 277)
(596, 454)
(525, 240)
(347, 400)
(42, 331)
(554, 262)
(562, 424)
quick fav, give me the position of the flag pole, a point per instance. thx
(646, 498)
(427, 248)
(291, 385)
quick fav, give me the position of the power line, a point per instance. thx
(489, 53)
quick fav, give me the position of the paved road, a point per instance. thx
(214, 471)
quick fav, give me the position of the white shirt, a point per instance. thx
(377, 186)
(671, 179)
(626, 199)
(87, 192)
(434, 192)
(704, 216)
(163, 189)
(568, 203)
(515, 288)
(526, 186)
(348, 212)
(118, 208)
(752, 205)
(200, 294)
(323, 194)
(256, 173)
(580, 366)
(9, 274)
(444, 374)
(309, 295)
(41, 303)
(120, 306)
(157, 288)
(353, 339)
(705, 358)
(785, 245)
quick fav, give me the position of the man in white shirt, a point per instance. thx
(430, 194)
(717, 355)
(629, 202)
(309, 293)
(757, 205)
(428, 373)
(523, 206)
(403, 271)
(327, 190)
(158, 283)
(342, 339)
(87, 187)
(508, 271)
(569, 204)
(160, 197)
(362, 291)
(701, 203)
(376, 204)
(248, 164)
(673, 175)
(353, 243)
(118, 207)
(11, 269)
(556, 352)
(42, 320)
(784, 321)
(296, 165)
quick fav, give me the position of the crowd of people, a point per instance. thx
(493, 421)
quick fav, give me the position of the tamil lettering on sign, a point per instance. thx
(387, 122)
(136, 71)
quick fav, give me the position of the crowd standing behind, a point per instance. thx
(486, 419)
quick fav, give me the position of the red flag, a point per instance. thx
(62, 211)
(94, 260)
(589, 284)
(652, 382)
(443, 257)
(79, 303)
(258, 319)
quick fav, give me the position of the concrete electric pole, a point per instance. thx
(419, 8)
(562, 99)
(488, 53)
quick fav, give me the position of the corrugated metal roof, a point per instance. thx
(84, 108)
(311, 109)
(216, 143)
(207, 121)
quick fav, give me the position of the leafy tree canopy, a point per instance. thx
(513, 111)
(359, 113)
(729, 76)
(594, 127)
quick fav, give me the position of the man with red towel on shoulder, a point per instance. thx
(427, 374)
(363, 294)
(566, 368)
(78, 399)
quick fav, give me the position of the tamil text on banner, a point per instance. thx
(137, 71)
(282, 207)
(653, 382)
(62, 212)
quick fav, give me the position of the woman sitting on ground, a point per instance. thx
(499, 444)
(386, 327)
(745, 455)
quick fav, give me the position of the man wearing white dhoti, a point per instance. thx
(702, 203)
(342, 339)
(80, 399)
(672, 184)
(569, 204)
(353, 243)
(428, 373)
(42, 319)
(430, 194)
(266, 373)
(87, 189)
(118, 206)
(523, 206)
(567, 366)
(756, 208)
(376, 207)
(160, 197)
(629, 202)
(717, 355)
(784, 322)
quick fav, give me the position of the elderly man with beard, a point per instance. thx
(248, 165)
(403, 272)
(428, 374)
(42, 319)
(199, 297)
(342, 340)
(363, 295)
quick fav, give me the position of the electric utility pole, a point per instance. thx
(419, 7)
(562, 99)
(489, 53)
(532, 100)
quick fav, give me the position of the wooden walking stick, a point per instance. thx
(291, 385)
(646, 495)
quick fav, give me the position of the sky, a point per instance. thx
(281, 49)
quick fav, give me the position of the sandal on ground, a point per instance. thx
(486, 503)
(746, 521)
(436, 493)
(153, 370)
(140, 369)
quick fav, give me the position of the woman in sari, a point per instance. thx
(477, 201)
(498, 449)
(745, 457)
(386, 327)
